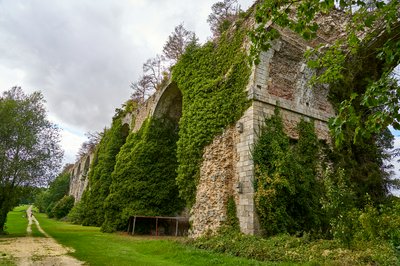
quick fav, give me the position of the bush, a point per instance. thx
(76, 214)
(62, 207)
(285, 248)
(58, 188)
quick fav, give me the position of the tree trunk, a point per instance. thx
(3, 218)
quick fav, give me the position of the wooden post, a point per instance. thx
(129, 224)
(134, 224)
(176, 231)
(156, 226)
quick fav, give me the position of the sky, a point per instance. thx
(83, 54)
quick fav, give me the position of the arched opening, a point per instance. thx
(169, 105)
(86, 167)
(125, 130)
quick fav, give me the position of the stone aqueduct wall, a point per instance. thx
(79, 176)
(227, 169)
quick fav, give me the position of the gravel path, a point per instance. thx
(36, 250)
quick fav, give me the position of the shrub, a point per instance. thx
(92, 202)
(76, 214)
(62, 207)
(289, 249)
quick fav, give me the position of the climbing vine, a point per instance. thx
(212, 79)
(287, 191)
(92, 202)
(143, 182)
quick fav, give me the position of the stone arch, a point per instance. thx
(125, 130)
(86, 166)
(169, 103)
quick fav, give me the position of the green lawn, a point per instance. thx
(98, 248)
(17, 222)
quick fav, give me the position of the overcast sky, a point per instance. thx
(83, 54)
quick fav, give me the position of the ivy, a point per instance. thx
(92, 202)
(287, 191)
(143, 182)
(232, 220)
(212, 79)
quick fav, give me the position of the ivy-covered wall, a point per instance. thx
(158, 170)
(287, 193)
(93, 198)
(212, 79)
(143, 181)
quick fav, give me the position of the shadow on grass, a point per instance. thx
(17, 223)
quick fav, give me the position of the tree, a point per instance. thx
(29, 147)
(222, 16)
(58, 188)
(89, 146)
(177, 42)
(357, 67)
(155, 70)
(142, 89)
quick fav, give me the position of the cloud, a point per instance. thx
(83, 54)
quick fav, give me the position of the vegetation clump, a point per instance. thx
(30, 153)
(212, 79)
(298, 250)
(143, 182)
(92, 202)
(287, 190)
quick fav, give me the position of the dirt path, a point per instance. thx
(36, 250)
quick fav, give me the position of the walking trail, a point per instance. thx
(36, 250)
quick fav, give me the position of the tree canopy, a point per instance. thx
(30, 154)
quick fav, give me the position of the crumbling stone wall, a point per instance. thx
(79, 176)
(218, 181)
(281, 79)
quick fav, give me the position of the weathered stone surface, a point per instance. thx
(79, 176)
(218, 180)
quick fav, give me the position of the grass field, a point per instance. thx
(98, 248)
(17, 222)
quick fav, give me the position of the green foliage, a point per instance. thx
(62, 207)
(287, 191)
(212, 79)
(76, 214)
(290, 249)
(359, 73)
(56, 191)
(92, 202)
(232, 220)
(143, 182)
(30, 154)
